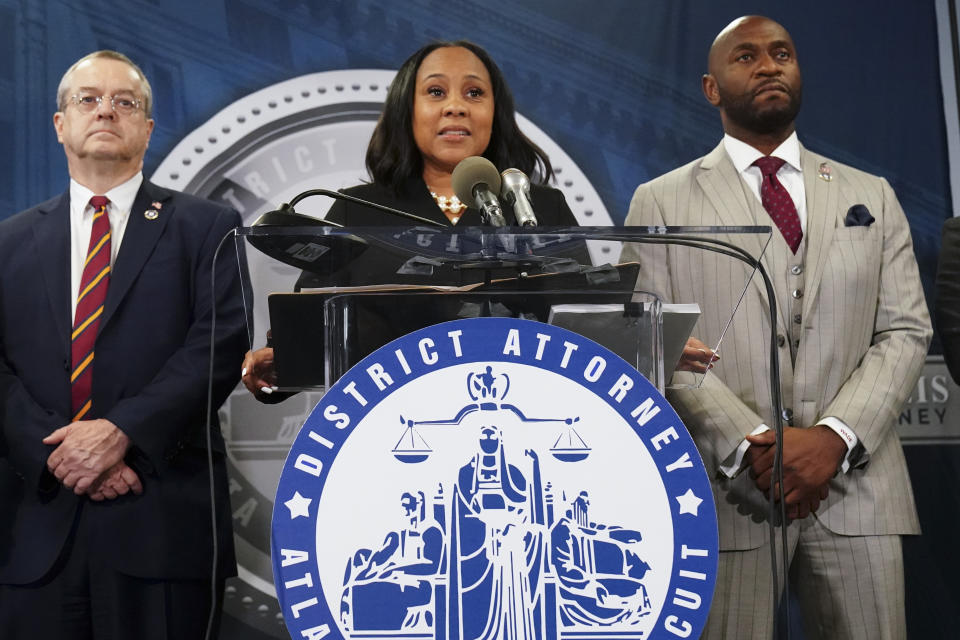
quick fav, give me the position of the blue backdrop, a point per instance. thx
(615, 82)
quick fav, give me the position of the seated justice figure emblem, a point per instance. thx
(391, 588)
(598, 569)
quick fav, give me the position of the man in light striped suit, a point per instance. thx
(852, 332)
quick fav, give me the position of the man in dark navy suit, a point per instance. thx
(105, 331)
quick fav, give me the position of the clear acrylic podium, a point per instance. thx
(354, 289)
(330, 296)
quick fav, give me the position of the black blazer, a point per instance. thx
(549, 204)
(947, 311)
(149, 378)
(378, 319)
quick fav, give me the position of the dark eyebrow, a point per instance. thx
(471, 76)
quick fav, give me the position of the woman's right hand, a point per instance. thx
(258, 375)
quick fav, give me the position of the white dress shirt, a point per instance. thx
(790, 176)
(81, 225)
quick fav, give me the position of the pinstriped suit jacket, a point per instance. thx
(862, 326)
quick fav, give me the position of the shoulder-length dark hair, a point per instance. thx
(393, 157)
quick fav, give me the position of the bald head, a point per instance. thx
(754, 81)
(730, 35)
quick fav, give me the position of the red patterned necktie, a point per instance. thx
(778, 202)
(93, 292)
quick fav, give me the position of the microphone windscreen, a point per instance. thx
(471, 172)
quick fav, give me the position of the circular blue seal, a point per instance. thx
(494, 478)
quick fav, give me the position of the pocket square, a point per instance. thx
(858, 216)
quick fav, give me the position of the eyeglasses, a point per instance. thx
(122, 105)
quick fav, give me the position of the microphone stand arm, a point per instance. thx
(337, 195)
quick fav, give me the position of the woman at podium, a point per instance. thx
(448, 101)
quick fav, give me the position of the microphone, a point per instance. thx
(476, 179)
(516, 191)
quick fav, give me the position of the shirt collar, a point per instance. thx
(743, 155)
(121, 196)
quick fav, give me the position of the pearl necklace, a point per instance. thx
(451, 207)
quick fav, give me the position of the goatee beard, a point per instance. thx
(741, 111)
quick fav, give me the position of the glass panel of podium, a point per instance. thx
(329, 296)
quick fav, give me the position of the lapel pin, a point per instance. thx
(151, 214)
(156, 205)
(825, 173)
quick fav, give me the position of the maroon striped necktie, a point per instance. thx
(93, 292)
(778, 202)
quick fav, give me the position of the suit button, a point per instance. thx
(781, 340)
(796, 269)
(797, 294)
(797, 319)
(787, 414)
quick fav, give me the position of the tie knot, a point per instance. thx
(99, 202)
(769, 165)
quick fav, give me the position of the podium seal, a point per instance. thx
(494, 478)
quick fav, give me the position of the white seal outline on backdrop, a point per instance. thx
(199, 164)
(424, 578)
(202, 155)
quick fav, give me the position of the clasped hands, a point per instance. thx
(810, 458)
(89, 460)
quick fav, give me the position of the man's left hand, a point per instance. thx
(86, 449)
(118, 480)
(810, 458)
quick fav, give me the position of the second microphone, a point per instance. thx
(475, 179)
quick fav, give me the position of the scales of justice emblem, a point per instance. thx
(499, 542)
(513, 501)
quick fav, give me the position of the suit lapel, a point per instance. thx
(724, 189)
(139, 240)
(824, 202)
(51, 234)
